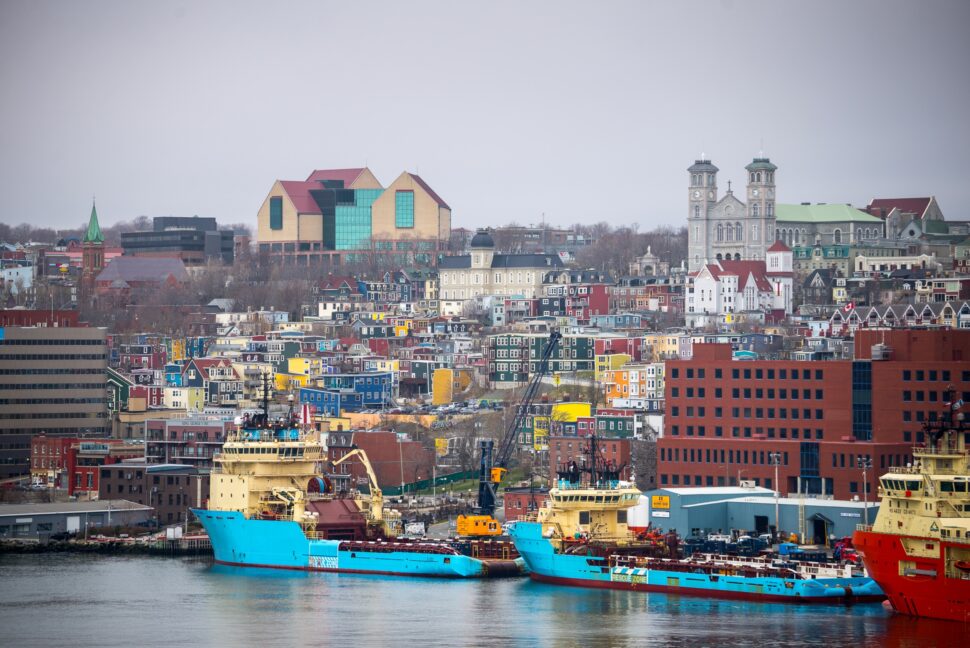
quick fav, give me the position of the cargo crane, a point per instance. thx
(494, 464)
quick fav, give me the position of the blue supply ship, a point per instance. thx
(581, 538)
(270, 506)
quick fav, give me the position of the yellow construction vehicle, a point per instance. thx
(491, 472)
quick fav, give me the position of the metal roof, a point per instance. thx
(67, 508)
(835, 213)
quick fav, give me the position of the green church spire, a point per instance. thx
(93, 235)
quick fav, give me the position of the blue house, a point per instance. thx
(375, 388)
(330, 402)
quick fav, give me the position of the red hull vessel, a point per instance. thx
(918, 549)
(926, 590)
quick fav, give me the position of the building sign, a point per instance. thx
(441, 447)
(660, 502)
(660, 514)
(852, 515)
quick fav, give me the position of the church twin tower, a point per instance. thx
(726, 228)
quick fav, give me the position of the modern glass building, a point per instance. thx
(344, 216)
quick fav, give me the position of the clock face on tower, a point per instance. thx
(697, 194)
(754, 193)
(710, 195)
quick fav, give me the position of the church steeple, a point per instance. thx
(93, 235)
(92, 253)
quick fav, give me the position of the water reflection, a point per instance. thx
(84, 600)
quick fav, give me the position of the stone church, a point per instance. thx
(723, 227)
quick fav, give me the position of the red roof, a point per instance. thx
(204, 364)
(743, 270)
(299, 193)
(347, 175)
(779, 246)
(434, 196)
(337, 282)
(907, 205)
(299, 190)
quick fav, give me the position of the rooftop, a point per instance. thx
(822, 213)
(62, 508)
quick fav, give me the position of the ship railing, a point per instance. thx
(865, 528)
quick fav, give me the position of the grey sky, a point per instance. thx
(584, 111)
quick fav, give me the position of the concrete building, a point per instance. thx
(485, 272)
(344, 216)
(53, 381)
(194, 240)
(41, 521)
(699, 512)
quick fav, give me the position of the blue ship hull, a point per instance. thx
(546, 565)
(283, 545)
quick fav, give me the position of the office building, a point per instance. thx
(53, 381)
(726, 418)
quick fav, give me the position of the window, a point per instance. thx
(404, 209)
(276, 212)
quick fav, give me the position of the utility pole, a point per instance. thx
(775, 458)
(865, 463)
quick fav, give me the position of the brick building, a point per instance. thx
(725, 418)
(49, 460)
(564, 449)
(42, 317)
(170, 489)
(395, 460)
(192, 441)
(521, 500)
(86, 457)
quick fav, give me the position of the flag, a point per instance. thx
(849, 306)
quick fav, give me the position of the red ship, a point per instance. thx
(918, 549)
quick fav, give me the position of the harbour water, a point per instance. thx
(83, 600)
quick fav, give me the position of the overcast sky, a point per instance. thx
(582, 111)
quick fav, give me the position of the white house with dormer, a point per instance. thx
(728, 291)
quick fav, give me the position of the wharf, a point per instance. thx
(186, 546)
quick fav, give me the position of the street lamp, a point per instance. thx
(865, 463)
(775, 459)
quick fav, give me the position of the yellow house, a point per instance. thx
(442, 386)
(287, 382)
(310, 366)
(178, 350)
(252, 373)
(333, 423)
(386, 364)
(609, 362)
(191, 399)
(566, 412)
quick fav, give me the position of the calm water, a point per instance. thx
(78, 600)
